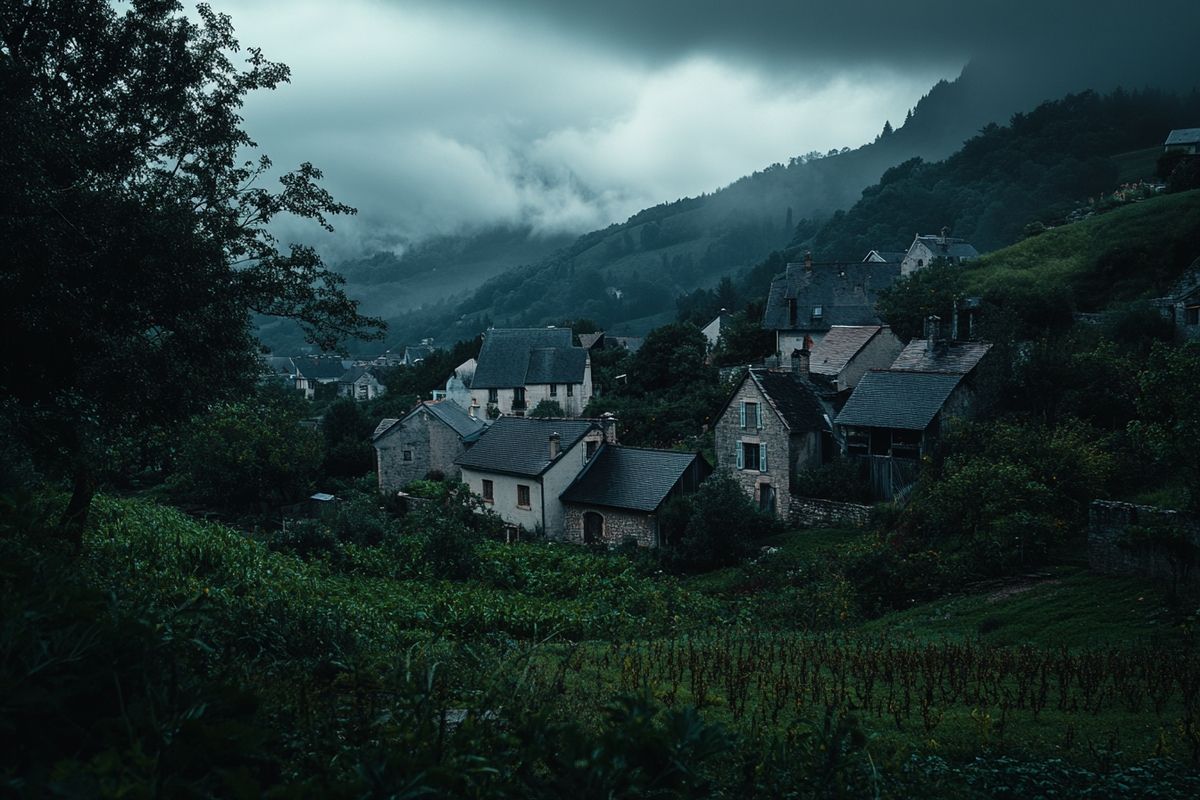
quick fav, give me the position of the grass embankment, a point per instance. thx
(1129, 253)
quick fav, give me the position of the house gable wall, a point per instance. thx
(781, 454)
(619, 525)
(878, 353)
(433, 445)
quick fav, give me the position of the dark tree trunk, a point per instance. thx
(74, 519)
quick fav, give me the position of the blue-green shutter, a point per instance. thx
(758, 415)
(742, 413)
(762, 457)
(739, 449)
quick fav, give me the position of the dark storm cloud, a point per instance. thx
(435, 117)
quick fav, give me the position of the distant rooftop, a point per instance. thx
(843, 342)
(521, 445)
(959, 357)
(1182, 136)
(513, 357)
(898, 399)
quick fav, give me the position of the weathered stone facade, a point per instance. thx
(413, 447)
(786, 452)
(1110, 550)
(811, 512)
(618, 526)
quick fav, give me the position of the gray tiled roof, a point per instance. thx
(846, 294)
(630, 478)
(898, 399)
(279, 365)
(556, 365)
(889, 256)
(1183, 136)
(959, 357)
(509, 357)
(792, 398)
(521, 446)
(843, 342)
(453, 415)
(948, 247)
(589, 339)
(448, 412)
(320, 368)
(1187, 284)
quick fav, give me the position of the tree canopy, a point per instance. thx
(137, 227)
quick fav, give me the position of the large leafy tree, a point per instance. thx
(136, 233)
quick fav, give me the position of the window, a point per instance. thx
(906, 444)
(920, 262)
(489, 491)
(554, 390)
(792, 311)
(750, 415)
(408, 455)
(1192, 315)
(570, 390)
(519, 398)
(362, 391)
(752, 456)
(818, 312)
(591, 448)
(493, 396)
(522, 496)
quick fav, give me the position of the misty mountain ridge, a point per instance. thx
(627, 276)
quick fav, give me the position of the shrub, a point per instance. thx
(721, 526)
(841, 480)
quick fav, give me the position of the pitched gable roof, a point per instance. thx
(1181, 136)
(453, 415)
(521, 446)
(588, 340)
(1187, 284)
(320, 368)
(947, 247)
(838, 347)
(630, 477)
(509, 355)
(845, 293)
(792, 399)
(445, 411)
(958, 357)
(898, 399)
(885, 256)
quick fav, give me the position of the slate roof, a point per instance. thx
(453, 415)
(383, 425)
(462, 423)
(556, 365)
(631, 478)
(417, 352)
(792, 398)
(521, 446)
(354, 373)
(630, 343)
(947, 247)
(898, 399)
(1183, 136)
(320, 368)
(843, 342)
(587, 340)
(959, 357)
(887, 256)
(279, 365)
(846, 294)
(510, 356)
(1187, 284)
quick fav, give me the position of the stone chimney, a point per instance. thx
(555, 445)
(932, 325)
(800, 362)
(954, 321)
(808, 261)
(608, 424)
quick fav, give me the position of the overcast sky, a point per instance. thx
(435, 117)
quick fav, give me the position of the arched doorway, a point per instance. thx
(593, 527)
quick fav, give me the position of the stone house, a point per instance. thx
(429, 438)
(416, 353)
(458, 388)
(1183, 140)
(1182, 305)
(621, 491)
(604, 341)
(361, 384)
(774, 424)
(312, 371)
(517, 368)
(520, 467)
(926, 249)
(809, 298)
(894, 418)
(846, 352)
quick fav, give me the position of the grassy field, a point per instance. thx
(1132, 252)
(1062, 663)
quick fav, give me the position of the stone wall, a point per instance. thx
(1110, 553)
(618, 525)
(729, 434)
(809, 512)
